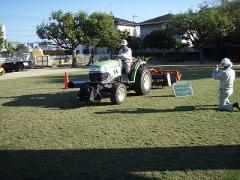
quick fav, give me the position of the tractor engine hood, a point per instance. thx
(104, 66)
(104, 71)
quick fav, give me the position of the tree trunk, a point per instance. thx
(221, 53)
(74, 59)
(222, 48)
(91, 59)
(218, 51)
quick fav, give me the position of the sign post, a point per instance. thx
(183, 89)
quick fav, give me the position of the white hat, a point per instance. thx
(124, 42)
(226, 62)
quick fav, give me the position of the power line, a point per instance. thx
(18, 16)
(19, 25)
(25, 35)
(25, 30)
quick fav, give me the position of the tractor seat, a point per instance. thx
(134, 62)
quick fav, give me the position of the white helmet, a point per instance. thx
(226, 62)
(124, 42)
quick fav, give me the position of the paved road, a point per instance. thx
(37, 72)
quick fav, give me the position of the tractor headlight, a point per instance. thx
(97, 69)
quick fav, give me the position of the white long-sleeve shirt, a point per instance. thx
(226, 78)
(125, 54)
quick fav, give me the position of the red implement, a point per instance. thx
(159, 75)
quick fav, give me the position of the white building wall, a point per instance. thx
(4, 36)
(4, 32)
(147, 29)
(128, 28)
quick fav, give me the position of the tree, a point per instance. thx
(124, 34)
(1, 38)
(10, 48)
(21, 48)
(160, 39)
(66, 29)
(232, 9)
(99, 32)
(208, 24)
(135, 43)
(113, 43)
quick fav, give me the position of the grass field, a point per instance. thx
(46, 134)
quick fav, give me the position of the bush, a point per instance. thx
(57, 52)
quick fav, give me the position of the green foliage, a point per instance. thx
(232, 9)
(21, 48)
(65, 29)
(10, 48)
(160, 39)
(99, 29)
(113, 43)
(208, 24)
(134, 43)
(201, 27)
(57, 52)
(124, 34)
(68, 30)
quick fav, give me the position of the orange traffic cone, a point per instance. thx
(66, 80)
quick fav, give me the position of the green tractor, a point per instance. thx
(106, 80)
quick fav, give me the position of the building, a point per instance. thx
(4, 36)
(125, 25)
(223, 2)
(158, 23)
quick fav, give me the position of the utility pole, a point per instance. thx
(135, 33)
(110, 8)
(134, 16)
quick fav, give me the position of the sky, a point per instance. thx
(21, 17)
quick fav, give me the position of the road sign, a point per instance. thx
(183, 89)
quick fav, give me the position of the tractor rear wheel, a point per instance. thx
(143, 82)
(118, 93)
(18, 67)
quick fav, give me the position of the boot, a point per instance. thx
(236, 105)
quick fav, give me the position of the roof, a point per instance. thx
(157, 20)
(123, 22)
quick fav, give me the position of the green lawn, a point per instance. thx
(46, 134)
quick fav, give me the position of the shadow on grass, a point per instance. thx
(194, 73)
(63, 100)
(114, 163)
(151, 110)
(161, 96)
(189, 73)
(132, 94)
(59, 79)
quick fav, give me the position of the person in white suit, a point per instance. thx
(226, 75)
(125, 55)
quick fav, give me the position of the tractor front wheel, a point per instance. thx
(118, 93)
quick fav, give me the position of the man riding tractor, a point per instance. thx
(113, 78)
(125, 55)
